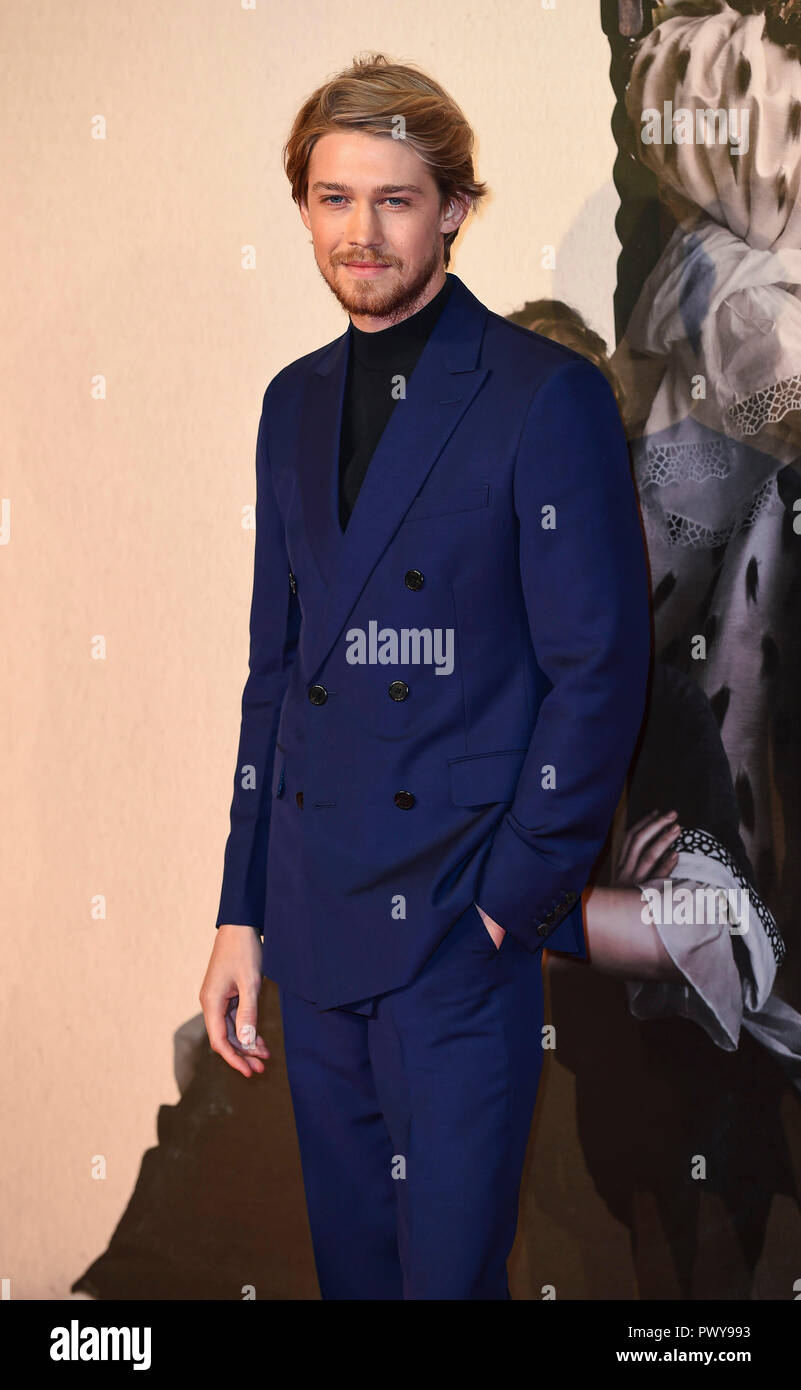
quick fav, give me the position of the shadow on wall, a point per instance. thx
(219, 1205)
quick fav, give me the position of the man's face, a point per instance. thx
(373, 209)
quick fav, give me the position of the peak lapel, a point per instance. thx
(442, 386)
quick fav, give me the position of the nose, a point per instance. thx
(363, 227)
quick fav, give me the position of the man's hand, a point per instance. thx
(497, 933)
(229, 997)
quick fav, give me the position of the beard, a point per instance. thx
(374, 299)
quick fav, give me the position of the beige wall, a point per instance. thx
(123, 259)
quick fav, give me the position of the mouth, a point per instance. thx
(364, 269)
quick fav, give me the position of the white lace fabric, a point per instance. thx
(722, 991)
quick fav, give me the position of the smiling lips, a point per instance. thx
(365, 267)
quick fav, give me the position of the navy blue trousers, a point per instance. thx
(413, 1115)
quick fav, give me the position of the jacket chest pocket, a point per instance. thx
(466, 499)
(481, 778)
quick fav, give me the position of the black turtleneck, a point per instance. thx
(374, 359)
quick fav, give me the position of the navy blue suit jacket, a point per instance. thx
(374, 803)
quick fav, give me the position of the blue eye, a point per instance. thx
(335, 199)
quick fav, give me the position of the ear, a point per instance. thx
(454, 211)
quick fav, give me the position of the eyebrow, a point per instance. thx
(382, 188)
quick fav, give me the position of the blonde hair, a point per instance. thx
(370, 96)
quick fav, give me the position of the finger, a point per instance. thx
(645, 836)
(246, 1015)
(664, 866)
(220, 1044)
(254, 1064)
(648, 864)
(646, 820)
(634, 833)
(216, 1017)
(233, 1055)
(256, 1049)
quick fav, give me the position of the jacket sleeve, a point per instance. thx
(584, 576)
(274, 629)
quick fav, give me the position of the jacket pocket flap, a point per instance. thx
(480, 778)
(465, 500)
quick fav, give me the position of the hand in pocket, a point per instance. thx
(497, 933)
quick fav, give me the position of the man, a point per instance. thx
(448, 659)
